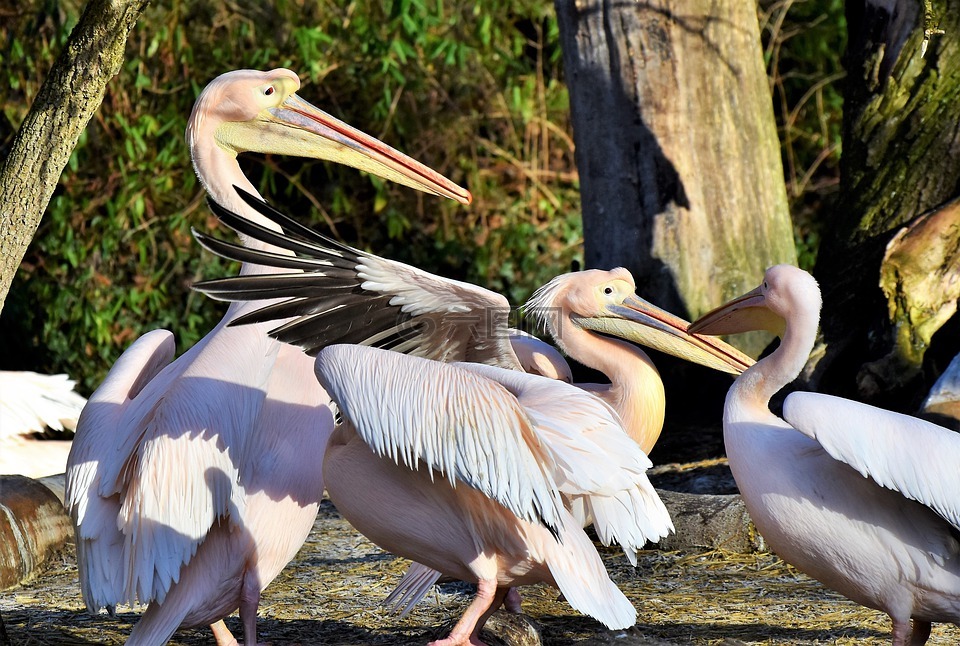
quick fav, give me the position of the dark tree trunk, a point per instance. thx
(71, 94)
(889, 276)
(676, 146)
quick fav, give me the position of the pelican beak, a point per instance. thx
(641, 322)
(742, 314)
(297, 128)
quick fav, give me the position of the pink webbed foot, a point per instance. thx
(222, 634)
(451, 641)
(467, 631)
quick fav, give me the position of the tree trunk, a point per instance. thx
(71, 94)
(901, 134)
(676, 147)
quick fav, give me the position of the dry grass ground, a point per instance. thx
(330, 595)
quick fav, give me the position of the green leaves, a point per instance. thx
(473, 91)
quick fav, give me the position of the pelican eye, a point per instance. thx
(270, 90)
(608, 290)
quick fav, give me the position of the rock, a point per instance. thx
(512, 629)
(709, 521)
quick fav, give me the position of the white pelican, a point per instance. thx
(31, 403)
(863, 499)
(192, 483)
(944, 397)
(461, 467)
(340, 294)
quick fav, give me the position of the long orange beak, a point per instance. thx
(307, 131)
(639, 321)
(742, 314)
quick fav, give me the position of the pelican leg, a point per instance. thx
(222, 634)
(902, 631)
(921, 632)
(512, 601)
(467, 630)
(249, 603)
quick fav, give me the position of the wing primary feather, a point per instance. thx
(331, 324)
(271, 286)
(292, 307)
(348, 310)
(405, 330)
(290, 225)
(241, 253)
(259, 232)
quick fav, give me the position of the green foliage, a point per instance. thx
(804, 41)
(473, 91)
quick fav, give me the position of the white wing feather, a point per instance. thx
(596, 463)
(32, 402)
(917, 458)
(156, 462)
(102, 580)
(463, 426)
(465, 322)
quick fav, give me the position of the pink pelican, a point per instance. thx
(31, 403)
(187, 482)
(865, 500)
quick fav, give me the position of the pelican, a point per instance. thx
(191, 483)
(342, 295)
(944, 397)
(464, 468)
(31, 403)
(865, 500)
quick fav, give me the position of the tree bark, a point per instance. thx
(69, 97)
(901, 134)
(676, 147)
(920, 279)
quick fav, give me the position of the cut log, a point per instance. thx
(33, 526)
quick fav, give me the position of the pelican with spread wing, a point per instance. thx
(187, 481)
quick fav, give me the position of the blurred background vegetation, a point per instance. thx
(474, 90)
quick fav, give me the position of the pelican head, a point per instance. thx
(785, 291)
(606, 302)
(254, 111)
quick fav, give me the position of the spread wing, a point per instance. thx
(337, 294)
(463, 426)
(903, 453)
(597, 464)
